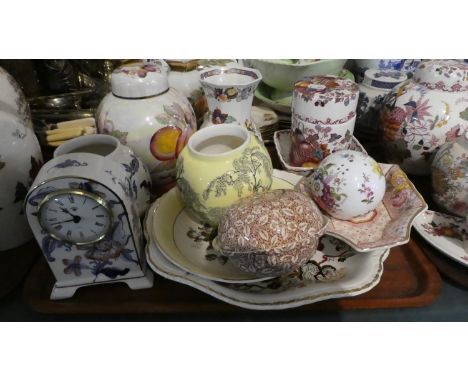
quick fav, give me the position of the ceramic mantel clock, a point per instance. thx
(83, 209)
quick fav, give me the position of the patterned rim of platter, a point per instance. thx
(341, 273)
(445, 233)
(188, 244)
(282, 140)
(390, 223)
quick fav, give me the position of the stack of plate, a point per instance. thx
(180, 249)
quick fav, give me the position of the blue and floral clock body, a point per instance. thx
(85, 218)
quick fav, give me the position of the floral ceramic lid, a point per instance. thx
(445, 75)
(326, 88)
(383, 79)
(139, 80)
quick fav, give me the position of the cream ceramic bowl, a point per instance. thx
(221, 164)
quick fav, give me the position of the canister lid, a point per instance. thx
(445, 75)
(383, 79)
(139, 80)
(326, 87)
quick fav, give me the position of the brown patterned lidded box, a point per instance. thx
(272, 233)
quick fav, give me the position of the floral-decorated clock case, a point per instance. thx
(87, 226)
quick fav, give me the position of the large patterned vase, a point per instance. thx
(12, 99)
(450, 176)
(230, 92)
(155, 121)
(423, 113)
(20, 161)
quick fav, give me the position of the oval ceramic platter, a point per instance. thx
(187, 244)
(390, 225)
(445, 233)
(334, 271)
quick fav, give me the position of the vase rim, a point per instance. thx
(219, 71)
(96, 139)
(224, 129)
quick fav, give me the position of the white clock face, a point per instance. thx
(75, 216)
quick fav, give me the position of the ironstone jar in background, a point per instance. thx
(407, 66)
(155, 121)
(449, 171)
(376, 84)
(421, 114)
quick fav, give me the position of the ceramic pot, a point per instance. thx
(272, 233)
(136, 184)
(230, 92)
(347, 184)
(20, 161)
(184, 77)
(145, 114)
(376, 84)
(421, 114)
(322, 139)
(12, 99)
(449, 171)
(407, 66)
(221, 164)
(327, 100)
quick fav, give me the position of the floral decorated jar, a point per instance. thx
(230, 92)
(12, 99)
(421, 114)
(449, 171)
(155, 121)
(347, 185)
(137, 183)
(376, 84)
(324, 114)
(221, 164)
(407, 66)
(272, 233)
(184, 77)
(20, 161)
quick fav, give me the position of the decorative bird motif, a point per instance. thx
(304, 153)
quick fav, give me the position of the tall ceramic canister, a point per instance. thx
(184, 76)
(230, 92)
(20, 161)
(324, 114)
(12, 99)
(376, 85)
(449, 171)
(143, 112)
(423, 113)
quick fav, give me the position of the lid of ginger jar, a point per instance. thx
(445, 75)
(383, 79)
(139, 80)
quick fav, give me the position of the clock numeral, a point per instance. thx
(81, 235)
(93, 231)
(59, 202)
(71, 199)
(99, 224)
(99, 216)
(68, 234)
(50, 209)
(58, 227)
(84, 201)
(52, 219)
(95, 207)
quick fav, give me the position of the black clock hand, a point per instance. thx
(76, 218)
(66, 221)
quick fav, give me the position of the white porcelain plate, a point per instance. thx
(444, 232)
(335, 271)
(187, 244)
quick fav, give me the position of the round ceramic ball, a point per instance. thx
(347, 184)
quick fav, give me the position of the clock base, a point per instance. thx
(143, 282)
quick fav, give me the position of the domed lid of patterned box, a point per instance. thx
(383, 79)
(139, 80)
(444, 75)
(325, 88)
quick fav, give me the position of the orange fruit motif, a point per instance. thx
(167, 142)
